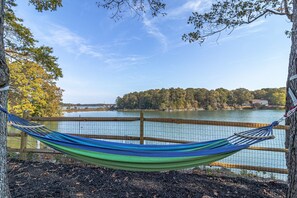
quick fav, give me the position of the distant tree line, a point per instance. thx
(198, 98)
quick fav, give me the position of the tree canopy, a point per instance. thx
(229, 14)
(198, 98)
(20, 43)
(119, 7)
(33, 69)
(32, 89)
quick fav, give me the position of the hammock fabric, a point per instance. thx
(136, 157)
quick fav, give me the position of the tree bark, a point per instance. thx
(4, 81)
(4, 189)
(291, 138)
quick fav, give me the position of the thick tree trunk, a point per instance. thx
(4, 190)
(291, 134)
(4, 80)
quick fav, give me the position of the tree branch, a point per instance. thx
(262, 14)
(12, 57)
(136, 6)
(287, 12)
(256, 18)
(230, 14)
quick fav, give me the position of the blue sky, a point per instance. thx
(102, 59)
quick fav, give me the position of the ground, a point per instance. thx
(46, 179)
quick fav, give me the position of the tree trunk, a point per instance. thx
(4, 190)
(4, 80)
(291, 139)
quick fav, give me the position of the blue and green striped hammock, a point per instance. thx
(136, 157)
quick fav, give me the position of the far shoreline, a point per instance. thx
(172, 110)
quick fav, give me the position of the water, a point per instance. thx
(257, 116)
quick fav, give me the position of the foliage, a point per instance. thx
(33, 69)
(137, 7)
(229, 14)
(44, 5)
(20, 43)
(33, 89)
(173, 99)
(274, 96)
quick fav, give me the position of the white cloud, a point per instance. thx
(121, 63)
(153, 30)
(188, 7)
(192, 5)
(62, 37)
(234, 36)
(73, 43)
(245, 31)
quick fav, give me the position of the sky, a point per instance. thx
(102, 59)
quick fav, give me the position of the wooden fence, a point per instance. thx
(142, 137)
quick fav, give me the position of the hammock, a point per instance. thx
(142, 157)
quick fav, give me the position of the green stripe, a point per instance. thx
(120, 158)
(151, 167)
(138, 163)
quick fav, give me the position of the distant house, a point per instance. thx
(260, 102)
(247, 104)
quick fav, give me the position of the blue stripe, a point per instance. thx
(224, 149)
(93, 142)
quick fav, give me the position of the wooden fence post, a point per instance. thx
(141, 137)
(24, 139)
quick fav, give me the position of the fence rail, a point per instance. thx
(142, 137)
(89, 119)
(164, 120)
(214, 123)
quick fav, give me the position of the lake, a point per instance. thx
(258, 116)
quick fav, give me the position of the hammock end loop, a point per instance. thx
(275, 123)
